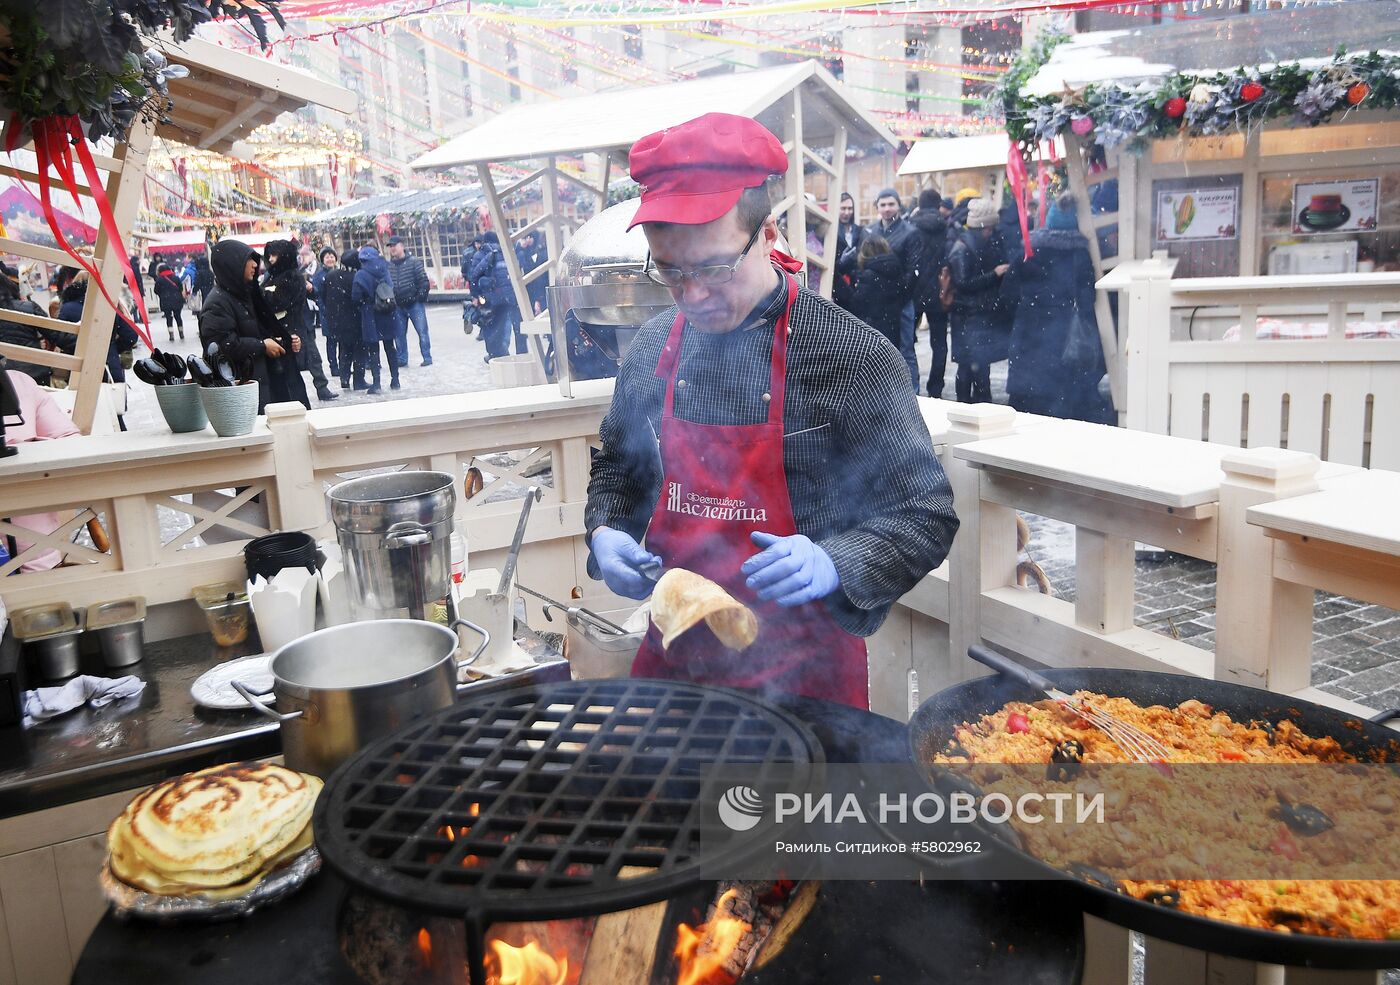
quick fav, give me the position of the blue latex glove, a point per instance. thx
(619, 559)
(792, 570)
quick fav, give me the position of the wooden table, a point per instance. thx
(1344, 538)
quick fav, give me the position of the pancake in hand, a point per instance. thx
(682, 600)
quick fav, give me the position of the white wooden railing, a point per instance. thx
(1335, 397)
(1114, 485)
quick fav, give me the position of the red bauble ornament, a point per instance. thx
(1251, 91)
(1357, 93)
(1176, 107)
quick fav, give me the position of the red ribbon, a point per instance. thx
(55, 138)
(1042, 178)
(784, 262)
(1016, 177)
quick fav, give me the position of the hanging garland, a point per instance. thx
(1207, 104)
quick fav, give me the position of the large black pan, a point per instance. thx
(932, 726)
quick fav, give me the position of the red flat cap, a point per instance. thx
(695, 172)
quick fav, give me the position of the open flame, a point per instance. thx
(528, 965)
(424, 943)
(702, 950)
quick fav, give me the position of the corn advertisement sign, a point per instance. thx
(1200, 213)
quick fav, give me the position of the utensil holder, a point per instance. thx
(232, 410)
(180, 403)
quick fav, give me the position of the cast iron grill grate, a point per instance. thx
(551, 801)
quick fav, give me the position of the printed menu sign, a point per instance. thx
(1197, 213)
(1335, 206)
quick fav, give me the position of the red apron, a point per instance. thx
(721, 483)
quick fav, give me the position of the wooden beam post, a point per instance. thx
(124, 190)
(983, 555)
(796, 187)
(1265, 636)
(833, 208)
(498, 219)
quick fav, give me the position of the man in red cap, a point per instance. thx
(759, 435)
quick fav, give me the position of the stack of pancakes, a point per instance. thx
(216, 833)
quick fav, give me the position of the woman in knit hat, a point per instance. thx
(981, 328)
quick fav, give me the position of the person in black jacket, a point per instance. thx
(411, 287)
(340, 317)
(124, 337)
(980, 329)
(875, 296)
(17, 334)
(172, 299)
(377, 328)
(932, 229)
(285, 291)
(1053, 289)
(237, 316)
(905, 244)
(490, 279)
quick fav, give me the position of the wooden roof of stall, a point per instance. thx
(229, 94)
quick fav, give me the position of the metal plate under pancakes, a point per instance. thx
(131, 901)
(527, 804)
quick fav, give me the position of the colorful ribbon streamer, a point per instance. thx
(1016, 177)
(55, 140)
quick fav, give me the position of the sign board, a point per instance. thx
(1197, 213)
(1335, 206)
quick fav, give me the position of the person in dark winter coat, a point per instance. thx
(17, 334)
(124, 338)
(377, 328)
(285, 290)
(980, 329)
(340, 316)
(326, 261)
(932, 229)
(905, 244)
(237, 316)
(172, 300)
(411, 287)
(1052, 289)
(203, 278)
(875, 297)
(490, 279)
(531, 253)
(135, 262)
(849, 235)
(1009, 233)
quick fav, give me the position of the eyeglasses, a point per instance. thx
(711, 276)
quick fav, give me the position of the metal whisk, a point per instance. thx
(1138, 744)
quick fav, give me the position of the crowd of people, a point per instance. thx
(492, 307)
(958, 265)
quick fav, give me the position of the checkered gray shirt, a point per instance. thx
(864, 481)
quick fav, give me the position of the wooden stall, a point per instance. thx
(807, 108)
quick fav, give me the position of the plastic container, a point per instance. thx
(51, 632)
(225, 606)
(120, 628)
(272, 553)
(595, 653)
(182, 408)
(523, 369)
(232, 410)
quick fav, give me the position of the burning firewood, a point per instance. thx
(719, 951)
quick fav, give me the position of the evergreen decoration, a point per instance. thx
(1194, 104)
(85, 58)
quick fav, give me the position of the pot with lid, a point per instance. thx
(394, 531)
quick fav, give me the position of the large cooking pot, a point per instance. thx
(933, 724)
(343, 687)
(395, 535)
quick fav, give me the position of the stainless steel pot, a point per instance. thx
(343, 687)
(395, 532)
